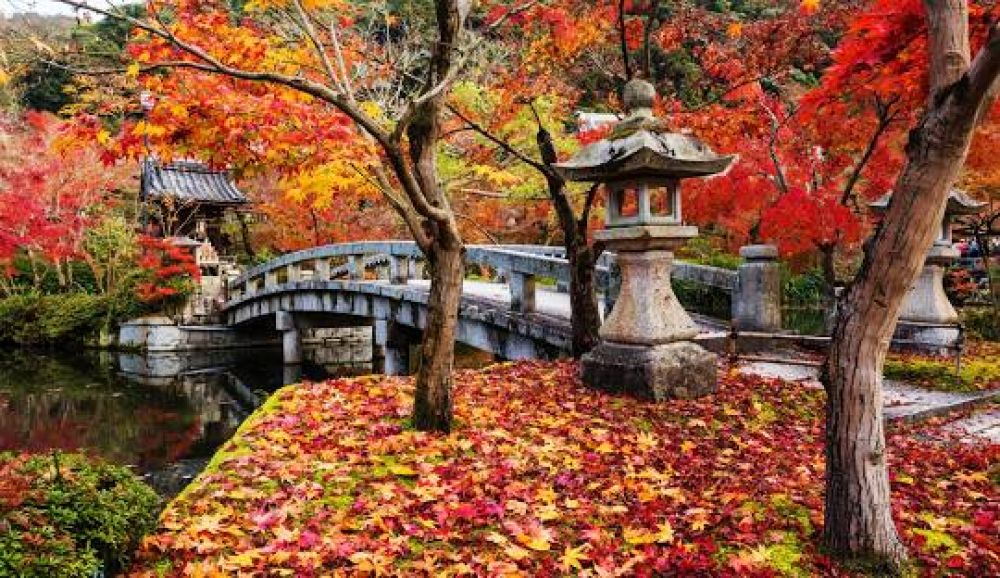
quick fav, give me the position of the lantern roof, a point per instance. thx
(959, 203)
(641, 145)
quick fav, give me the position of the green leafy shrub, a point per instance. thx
(65, 319)
(982, 322)
(65, 515)
(702, 250)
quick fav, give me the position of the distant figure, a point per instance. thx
(974, 249)
(962, 247)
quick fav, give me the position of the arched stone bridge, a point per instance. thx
(512, 305)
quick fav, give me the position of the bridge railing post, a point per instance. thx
(355, 267)
(293, 273)
(415, 269)
(522, 292)
(321, 268)
(271, 278)
(399, 270)
(756, 299)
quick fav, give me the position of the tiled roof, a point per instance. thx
(190, 181)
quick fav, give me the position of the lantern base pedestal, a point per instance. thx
(680, 370)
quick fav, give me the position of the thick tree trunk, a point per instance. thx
(858, 517)
(432, 407)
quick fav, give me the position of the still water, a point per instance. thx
(164, 415)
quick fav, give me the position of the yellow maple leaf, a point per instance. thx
(734, 30)
(665, 533)
(536, 542)
(401, 470)
(810, 6)
(973, 477)
(572, 557)
(604, 448)
(687, 446)
(279, 557)
(639, 536)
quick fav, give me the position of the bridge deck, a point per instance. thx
(548, 301)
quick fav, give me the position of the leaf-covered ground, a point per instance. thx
(543, 477)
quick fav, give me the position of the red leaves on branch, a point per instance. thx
(170, 271)
(49, 195)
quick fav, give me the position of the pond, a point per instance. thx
(164, 415)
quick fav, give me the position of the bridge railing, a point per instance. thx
(522, 266)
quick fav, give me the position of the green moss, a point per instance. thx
(935, 538)
(784, 556)
(786, 508)
(975, 374)
(643, 424)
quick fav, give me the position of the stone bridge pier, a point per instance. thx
(392, 342)
(291, 337)
(393, 347)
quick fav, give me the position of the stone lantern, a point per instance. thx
(645, 347)
(926, 302)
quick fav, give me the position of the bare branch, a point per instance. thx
(885, 115)
(499, 142)
(588, 203)
(310, 31)
(623, 42)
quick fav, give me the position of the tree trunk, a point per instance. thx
(432, 407)
(858, 516)
(827, 263)
(585, 315)
(245, 237)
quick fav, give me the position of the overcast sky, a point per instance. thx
(40, 6)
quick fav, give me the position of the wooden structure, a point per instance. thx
(188, 198)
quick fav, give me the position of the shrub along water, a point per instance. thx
(63, 319)
(66, 515)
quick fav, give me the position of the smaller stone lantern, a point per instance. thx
(926, 302)
(645, 347)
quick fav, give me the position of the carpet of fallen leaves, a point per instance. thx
(543, 477)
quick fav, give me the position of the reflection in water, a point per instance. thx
(164, 414)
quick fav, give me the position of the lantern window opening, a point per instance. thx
(643, 202)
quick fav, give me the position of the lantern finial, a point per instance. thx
(639, 96)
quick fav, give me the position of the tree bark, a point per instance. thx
(245, 237)
(585, 314)
(858, 516)
(432, 408)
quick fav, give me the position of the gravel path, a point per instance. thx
(907, 402)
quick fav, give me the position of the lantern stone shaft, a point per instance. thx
(645, 347)
(926, 310)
